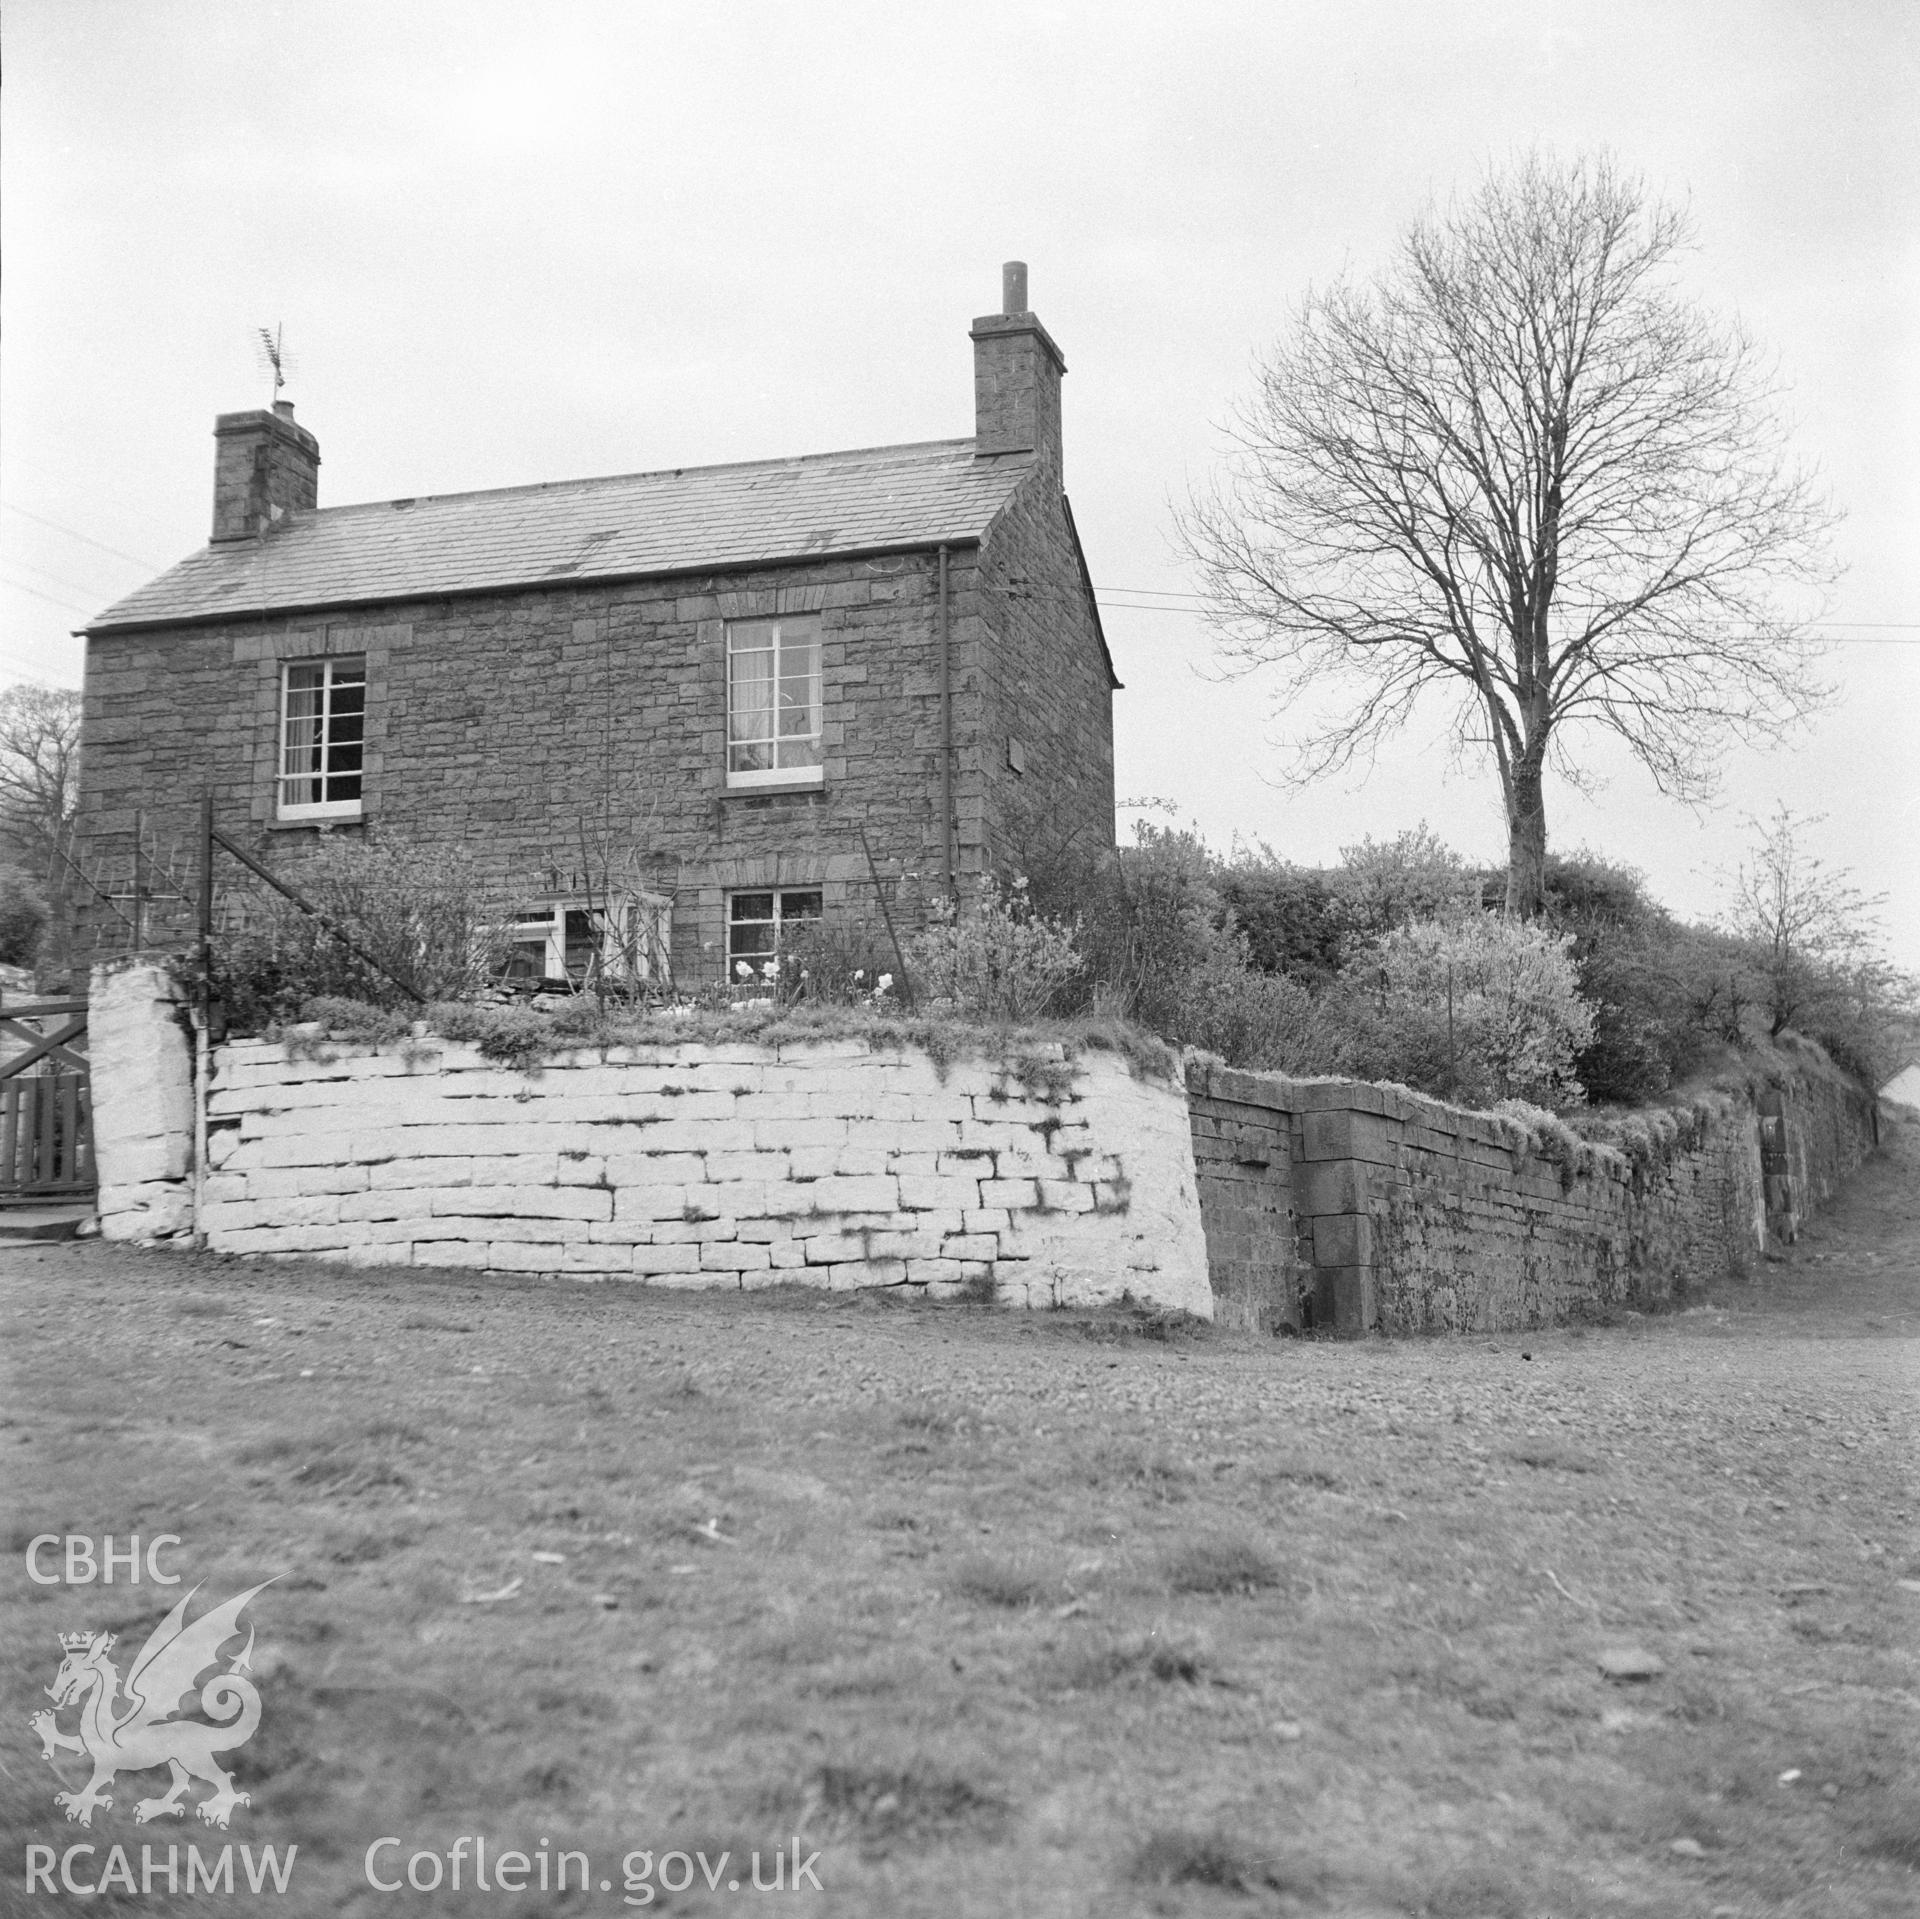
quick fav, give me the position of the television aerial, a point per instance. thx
(270, 350)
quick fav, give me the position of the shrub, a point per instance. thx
(1293, 917)
(22, 922)
(838, 962)
(1222, 1005)
(1621, 940)
(997, 960)
(1163, 949)
(353, 1019)
(1868, 1021)
(514, 1035)
(1476, 1008)
(1146, 917)
(425, 914)
(1383, 887)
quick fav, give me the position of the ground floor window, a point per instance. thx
(758, 923)
(567, 940)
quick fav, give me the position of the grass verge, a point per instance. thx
(995, 1616)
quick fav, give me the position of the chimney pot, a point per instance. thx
(284, 408)
(1016, 377)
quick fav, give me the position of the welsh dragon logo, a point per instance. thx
(142, 1733)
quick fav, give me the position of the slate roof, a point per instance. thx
(707, 518)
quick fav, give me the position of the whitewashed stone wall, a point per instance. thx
(142, 1073)
(714, 1165)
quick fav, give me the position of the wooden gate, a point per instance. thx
(46, 1102)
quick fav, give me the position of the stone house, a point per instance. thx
(672, 714)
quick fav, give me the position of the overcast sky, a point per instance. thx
(517, 242)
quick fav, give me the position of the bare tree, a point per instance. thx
(1520, 474)
(39, 772)
(1811, 935)
(39, 795)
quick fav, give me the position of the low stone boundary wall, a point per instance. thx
(1043, 1182)
(1336, 1205)
(1263, 1201)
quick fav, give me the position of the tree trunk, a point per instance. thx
(1526, 842)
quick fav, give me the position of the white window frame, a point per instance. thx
(334, 670)
(781, 918)
(632, 953)
(802, 630)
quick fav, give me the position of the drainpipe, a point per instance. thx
(203, 1023)
(946, 732)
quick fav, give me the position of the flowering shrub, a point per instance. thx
(996, 960)
(835, 961)
(1474, 1007)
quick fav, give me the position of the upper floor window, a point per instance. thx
(773, 702)
(323, 723)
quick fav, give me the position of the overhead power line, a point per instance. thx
(1108, 593)
(86, 539)
(20, 586)
(13, 664)
(51, 579)
(1836, 632)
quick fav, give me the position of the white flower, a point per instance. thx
(741, 970)
(886, 981)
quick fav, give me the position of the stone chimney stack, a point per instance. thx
(265, 469)
(1016, 378)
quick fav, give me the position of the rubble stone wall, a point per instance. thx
(1243, 1156)
(1043, 745)
(1342, 1206)
(539, 731)
(1263, 1202)
(544, 733)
